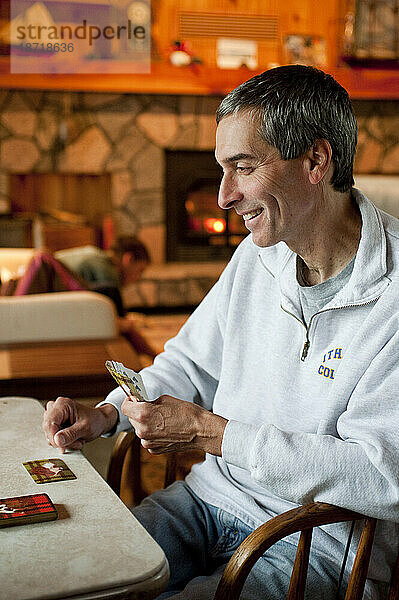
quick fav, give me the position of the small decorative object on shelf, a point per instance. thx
(305, 50)
(371, 32)
(182, 55)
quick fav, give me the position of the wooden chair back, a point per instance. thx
(128, 446)
(302, 519)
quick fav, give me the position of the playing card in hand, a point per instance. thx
(130, 381)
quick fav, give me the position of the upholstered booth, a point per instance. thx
(58, 342)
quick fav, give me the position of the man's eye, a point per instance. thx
(242, 169)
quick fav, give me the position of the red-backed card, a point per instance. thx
(48, 470)
(22, 510)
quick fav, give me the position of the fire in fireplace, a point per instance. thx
(197, 229)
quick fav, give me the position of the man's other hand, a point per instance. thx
(173, 425)
(68, 424)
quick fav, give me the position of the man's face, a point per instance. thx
(272, 195)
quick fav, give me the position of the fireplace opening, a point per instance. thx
(197, 229)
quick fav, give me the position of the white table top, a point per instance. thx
(95, 549)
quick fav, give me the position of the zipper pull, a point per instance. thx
(305, 350)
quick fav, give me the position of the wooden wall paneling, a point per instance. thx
(49, 190)
(32, 192)
(57, 236)
(295, 16)
(87, 195)
(177, 15)
(22, 198)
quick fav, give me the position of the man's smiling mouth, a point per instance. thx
(252, 214)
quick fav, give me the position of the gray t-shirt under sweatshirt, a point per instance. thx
(314, 298)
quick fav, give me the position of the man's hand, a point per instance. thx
(172, 425)
(68, 424)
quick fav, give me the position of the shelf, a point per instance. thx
(163, 79)
(366, 83)
(361, 83)
(371, 63)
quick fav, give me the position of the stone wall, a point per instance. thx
(125, 135)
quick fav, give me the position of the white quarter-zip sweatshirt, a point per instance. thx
(313, 411)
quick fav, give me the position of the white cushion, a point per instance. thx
(57, 316)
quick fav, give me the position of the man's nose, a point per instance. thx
(228, 193)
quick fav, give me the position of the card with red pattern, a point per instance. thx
(48, 470)
(22, 510)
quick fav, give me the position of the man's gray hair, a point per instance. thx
(295, 106)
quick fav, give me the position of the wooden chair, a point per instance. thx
(127, 449)
(302, 519)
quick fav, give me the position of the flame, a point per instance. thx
(213, 225)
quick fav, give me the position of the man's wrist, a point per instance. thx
(111, 417)
(212, 433)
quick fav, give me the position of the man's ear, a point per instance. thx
(318, 160)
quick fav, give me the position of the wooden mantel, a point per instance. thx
(303, 17)
(361, 83)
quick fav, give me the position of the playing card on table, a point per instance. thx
(22, 510)
(130, 381)
(48, 470)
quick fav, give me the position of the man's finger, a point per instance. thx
(55, 416)
(78, 445)
(51, 429)
(160, 447)
(64, 438)
(130, 403)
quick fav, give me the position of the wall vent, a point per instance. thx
(214, 25)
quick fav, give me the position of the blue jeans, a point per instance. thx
(199, 539)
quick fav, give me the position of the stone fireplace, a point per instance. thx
(121, 135)
(197, 229)
(126, 137)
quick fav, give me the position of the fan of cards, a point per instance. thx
(130, 381)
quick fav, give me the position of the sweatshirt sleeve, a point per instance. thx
(357, 468)
(189, 368)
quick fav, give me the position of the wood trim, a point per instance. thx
(48, 388)
(69, 358)
(201, 80)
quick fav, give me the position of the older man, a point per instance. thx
(286, 374)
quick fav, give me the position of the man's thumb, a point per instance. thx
(67, 436)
